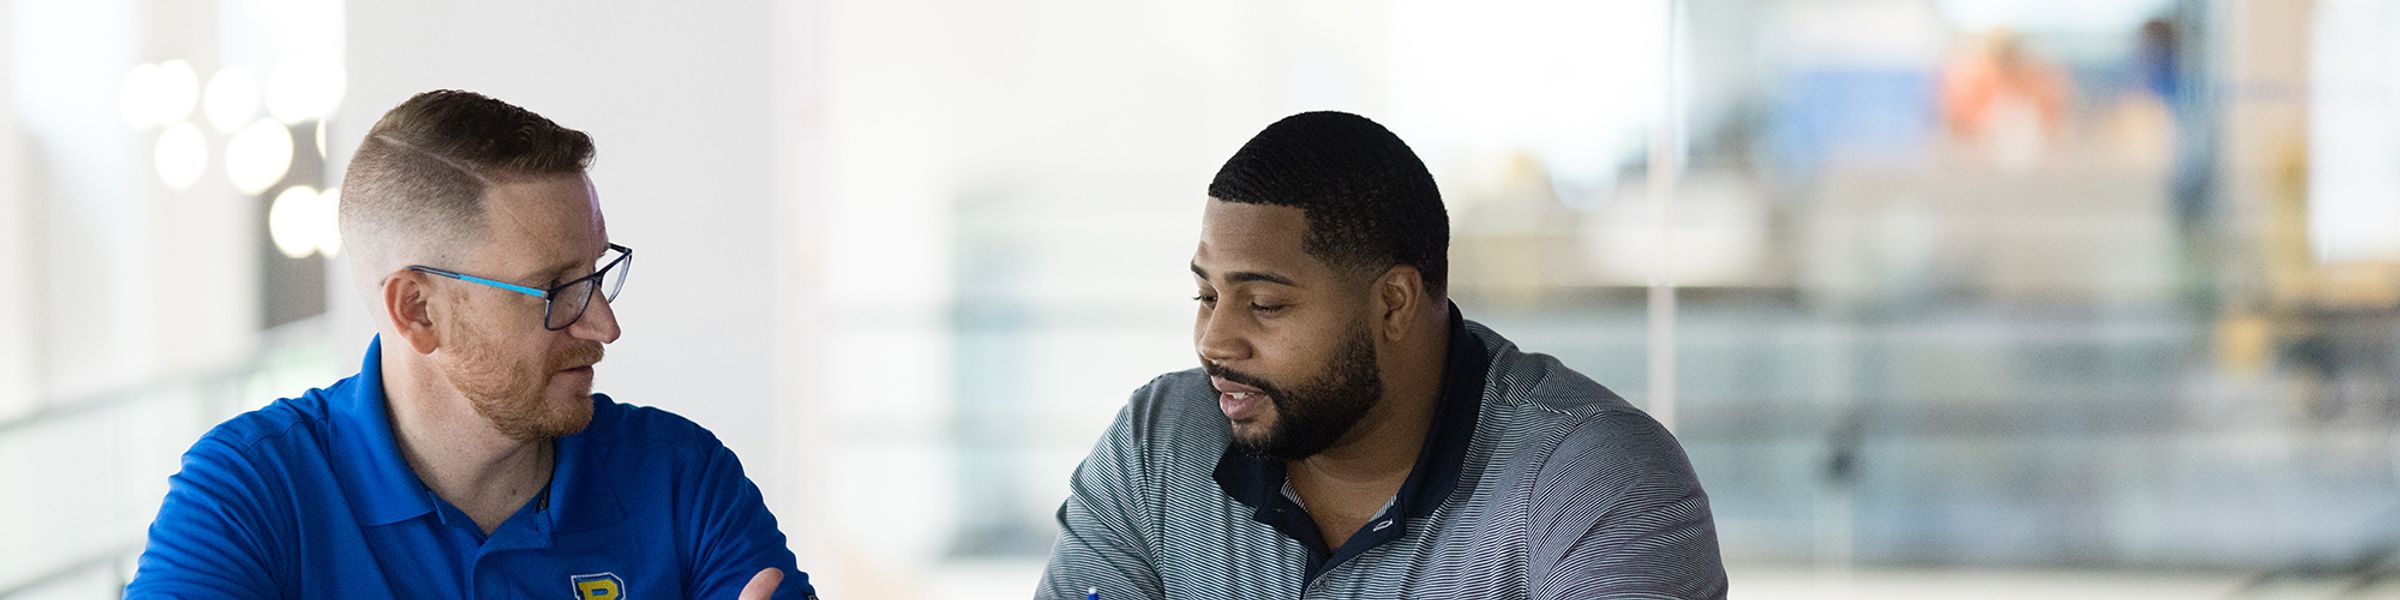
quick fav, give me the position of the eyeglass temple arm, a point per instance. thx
(498, 284)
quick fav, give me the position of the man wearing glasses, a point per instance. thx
(470, 458)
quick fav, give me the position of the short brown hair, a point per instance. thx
(415, 188)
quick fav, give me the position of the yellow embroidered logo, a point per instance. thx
(599, 586)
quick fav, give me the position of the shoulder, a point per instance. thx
(1169, 429)
(641, 451)
(1574, 432)
(1176, 409)
(1608, 460)
(1619, 440)
(1537, 381)
(251, 469)
(279, 430)
(620, 424)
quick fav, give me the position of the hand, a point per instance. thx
(763, 585)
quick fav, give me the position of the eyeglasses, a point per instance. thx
(562, 306)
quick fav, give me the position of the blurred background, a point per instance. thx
(1945, 298)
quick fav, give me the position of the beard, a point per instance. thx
(1314, 415)
(511, 395)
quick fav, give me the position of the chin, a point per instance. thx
(574, 424)
(571, 413)
(1254, 433)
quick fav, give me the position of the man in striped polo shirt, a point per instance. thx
(1351, 435)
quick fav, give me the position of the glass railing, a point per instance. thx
(88, 471)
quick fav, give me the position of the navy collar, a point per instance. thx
(1259, 482)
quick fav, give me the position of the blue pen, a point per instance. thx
(1091, 593)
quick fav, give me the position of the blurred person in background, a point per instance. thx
(2005, 101)
(1350, 434)
(472, 459)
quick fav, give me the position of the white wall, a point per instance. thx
(16, 326)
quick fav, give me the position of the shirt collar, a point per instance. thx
(366, 458)
(385, 490)
(1438, 463)
(1253, 480)
(582, 495)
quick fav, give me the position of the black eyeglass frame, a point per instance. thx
(551, 296)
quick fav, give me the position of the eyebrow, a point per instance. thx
(562, 271)
(548, 275)
(1246, 276)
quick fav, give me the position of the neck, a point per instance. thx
(454, 450)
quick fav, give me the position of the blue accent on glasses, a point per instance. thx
(498, 284)
(581, 299)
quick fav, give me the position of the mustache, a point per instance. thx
(579, 355)
(1219, 371)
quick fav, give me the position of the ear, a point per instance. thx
(1399, 300)
(408, 304)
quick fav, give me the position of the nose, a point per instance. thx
(599, 322)
(1219, 339)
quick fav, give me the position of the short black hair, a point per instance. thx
(1369, 201)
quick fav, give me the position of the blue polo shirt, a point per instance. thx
(311, 498)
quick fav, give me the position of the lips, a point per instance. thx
(1240, 402)
(579, 359)
(579, 367)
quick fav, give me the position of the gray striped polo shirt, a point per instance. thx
(1534, 482)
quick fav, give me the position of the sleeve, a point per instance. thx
(1101, 543)
(1618, 513)
(736, 534)
(213, 537)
